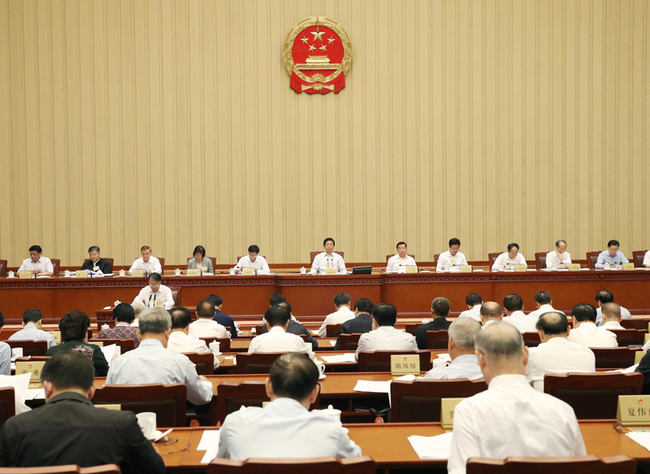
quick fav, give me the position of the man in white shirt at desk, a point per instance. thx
(328, 259)
(36, 263)
(509, 259)
(558, 258)
(544, 304)
(586, 332)
(152, 362)
(510, 418)
(400, 259)
(611, 316)
(205, 326)
(603, 297)
(612, 257)
(155, 294)
(452, 258)
(31, 331)
(342, 314)
(146, 262)
(179, 338)
(490, 313)
(556, 355)
(514, 306)
(285, 428)
(473, 302)
(253, 260)
(464, 364)
(384, 336)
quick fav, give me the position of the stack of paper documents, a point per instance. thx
(432, 447)
(210, 444)
(337, 359)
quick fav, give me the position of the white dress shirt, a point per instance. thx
(42, 265)
(259, 264)
(278, 340)
(510, 418)
(31, 333)
(152, 266)
(553, 258)
(283, 429)
(5, 359)
(339, 316)
(646, 258)
(322, 260)
(181, 342)
(543, 309)
(207, 327)
(625, 314)
(396, 261)
(612, 325)
(604, 258)
(462, 367)
(557, 356)
(504, 260)
(162, 297)
(386, 338)
(522, 321)
(474, 313)
(590, 335)
(446, 261)
(152, 363)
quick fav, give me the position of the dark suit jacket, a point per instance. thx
(70, 430)
(359, 325)
(644, 368)
(92, 351)
(296, 328)
(225, 320)
(438, 324)
(103, 265)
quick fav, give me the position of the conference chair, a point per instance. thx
(30, 348)
(204, 362)
(379, 361)
(224, 342)
(636, 323)
(531, 339)
(176, 294)
(162, 263)
(630, 337)
(7, 404)
(589, 464)
(595, 395)
(540, 260)
(108, 259)
(348, 342)
(333, 330)
(391, 254)
(492, 257)
(637, 258)
(312, 255)
(327, 465)
(3, 268)
(56, 264)
(419, 400)
(592, 258)
(65, 469)
(125, 344)
(256, 362)
(437, 339)
(412, 328)
(614, 357)
(166, 401)
(214, 262)
(436, 256)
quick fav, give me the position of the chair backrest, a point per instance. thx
(168, 402)
(492, 257)
(312, 255)
(435, 259)
(348, 342)
(592, 258)
(419, 400)
(224, 342)
(360, 465)
(630, 337)
(540, 260)
(125, 344)
(391, 254)
(379, 361)
(636, 323)
(412, 329)
(531, 339)
(214, 261)
(437, 339)
(204, 362)
(7, 404)
(30, 348)
(332, 330)
(3, 268)
(176, 294)
(589, 464)
(256, 362)
(162, 263)
(613, 357)
(56, 264)
(593, 396)
(108, 259)
(65, 469)
(302, 336)
(637, 258)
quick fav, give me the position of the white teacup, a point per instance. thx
(231, 271)
(214, 347)
(321, 368)
(147, 422)
(333, 412)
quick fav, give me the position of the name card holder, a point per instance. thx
(81, 274)
(24, 275)
(193, 272)
(248, 271)
(633, 410)
(447, 408)
(96, 343)
(411, 269)
(138, 273)
(111, 406)
(647, 338)
(330, 271)
(520, 268)
(404, 364)
(628, 266)
(638, 355)
(204, 269)
(57, 336)
(32, 367)
(466, 269)
(574, 267)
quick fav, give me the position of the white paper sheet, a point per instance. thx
(445, 357)
(35, 394)
(432, 447)
(332, 343)
(373, 386)
(20, 383)
(336, 359)
(314, 332)
(109, 352)
(642, 438)
(210, 444)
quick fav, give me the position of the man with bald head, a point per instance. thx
(490, 313)
(464, 364)
(556, 355)
(510, 418)
(612, 316)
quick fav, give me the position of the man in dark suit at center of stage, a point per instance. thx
(439, 310)
(96, 261)
(68, 429)
(362, 322)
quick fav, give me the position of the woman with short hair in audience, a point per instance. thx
(200, 260)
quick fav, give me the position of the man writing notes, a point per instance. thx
(155, 294)
(400, 259)
(509, 259)
(452, 258)
(96, 263)
(510, 418)
(328, 259)
(558, 258)
(612, 257)
(36, 263)
(32, 329)
(464, 364)
(253, 260)
(146, 262)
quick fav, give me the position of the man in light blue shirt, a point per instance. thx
(612, 256)
(604, 297)
(464, 363)
(31, 331)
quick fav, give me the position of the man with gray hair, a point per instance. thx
(464, 364)
(439, 310)
(152, 362)
(510, 418)
(490, 313)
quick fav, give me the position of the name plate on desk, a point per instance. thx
(628, 266)
(330, 271)
(404, 364)
(111, 406)
(647, 337)
(411, 269)
(633, 410)
(248, 271)
(193, 272)
(34, 368)
(81, 274)
(574, 267)
(137, 273)
(466, 269)
(204, 269)
(57, 336)
(638, 355)
(447, 407)
(520, 268)
(24, 275)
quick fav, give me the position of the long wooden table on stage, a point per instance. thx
(312, 296)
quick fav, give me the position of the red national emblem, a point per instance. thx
(317, 54)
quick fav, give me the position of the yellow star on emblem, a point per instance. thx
(331, 40)
(318, 34)
(324, 47)
(312, 47)
(304, 40)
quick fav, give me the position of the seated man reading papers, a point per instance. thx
(31, 331)
(464, 364)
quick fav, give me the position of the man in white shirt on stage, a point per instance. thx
(342, 314)
(558, 258)
(510, 418)
(31, 331)
(146, 262)
(612, 257)
(611, 316)
(179, 338)
(473, 302)
(155, 294)
(543, 303)
(464, 364)
(253, 260)
(586, 332)
(514, 307)
(328, 259)
(384, 336)
(400, 259)
(452, 258)
(490, 313)
(646, 259)
(36, 263)
(509, 259)
(556, 354)
(603, 297)
(205, 326)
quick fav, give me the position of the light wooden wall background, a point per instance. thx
(171, 123)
